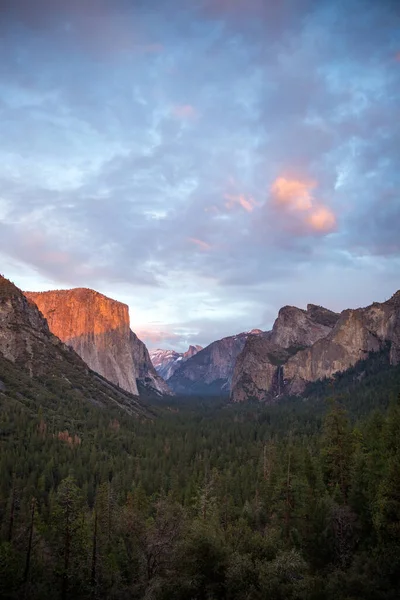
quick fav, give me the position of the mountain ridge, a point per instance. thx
(331, 343)
(210, 370)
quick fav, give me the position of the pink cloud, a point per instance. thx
(293, 193)
(184, 111)
(155, 336)
(296, 203)
(322, 219)
(397, 57)
(248, 203)
(202, 245)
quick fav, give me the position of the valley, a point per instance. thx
(109, 494)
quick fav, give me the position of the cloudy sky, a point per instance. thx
(205, 161)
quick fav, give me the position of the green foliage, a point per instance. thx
(337, 449)
(297, 500)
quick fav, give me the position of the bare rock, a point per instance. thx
(97, 328)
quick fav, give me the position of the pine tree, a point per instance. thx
(337, 449)
(70, 537)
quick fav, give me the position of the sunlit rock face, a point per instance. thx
(210, 371)
(166, 362)
(305, 346)
(27, 342)
(97, 328)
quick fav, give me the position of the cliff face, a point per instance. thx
(97, 328)
(258, 370)
(357, 333)
(166, 362)
(296, 328)
(27, 343)
(147, 377)
(309, 345)
(210, 370)
(191, 351)
(24, 333)
(255, 368)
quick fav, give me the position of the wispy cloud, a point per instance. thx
(200, 243)
(246, 202)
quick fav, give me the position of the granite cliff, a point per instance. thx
(357, 333)
(305, 346)
(166, 362)
(34, 362)
(258, 368)
(210, 370)
(98, 329)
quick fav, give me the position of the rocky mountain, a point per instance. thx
(306, 346)
(35, 366)
(166, 362)
(357, 333)
(98, 329)
(210, 370)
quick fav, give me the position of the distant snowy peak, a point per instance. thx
(167, 361)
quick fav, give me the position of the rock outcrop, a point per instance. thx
(98, 329)
(24, 334)
(296, 328)
(305, 346)
(357, 333)
(28, 347)
(166, 362)
(209, 371)
(258, 369)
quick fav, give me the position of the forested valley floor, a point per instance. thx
(202, 499)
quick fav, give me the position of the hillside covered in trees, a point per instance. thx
(202, 499)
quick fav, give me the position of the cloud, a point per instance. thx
(155, 337)
(105, 30)
(192, 218)
(295, 198)
(322, 219)
(200, 243)
(184, 111)
(293, 193)
(154, 48)
(248, 203)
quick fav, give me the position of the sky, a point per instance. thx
(204, 161)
